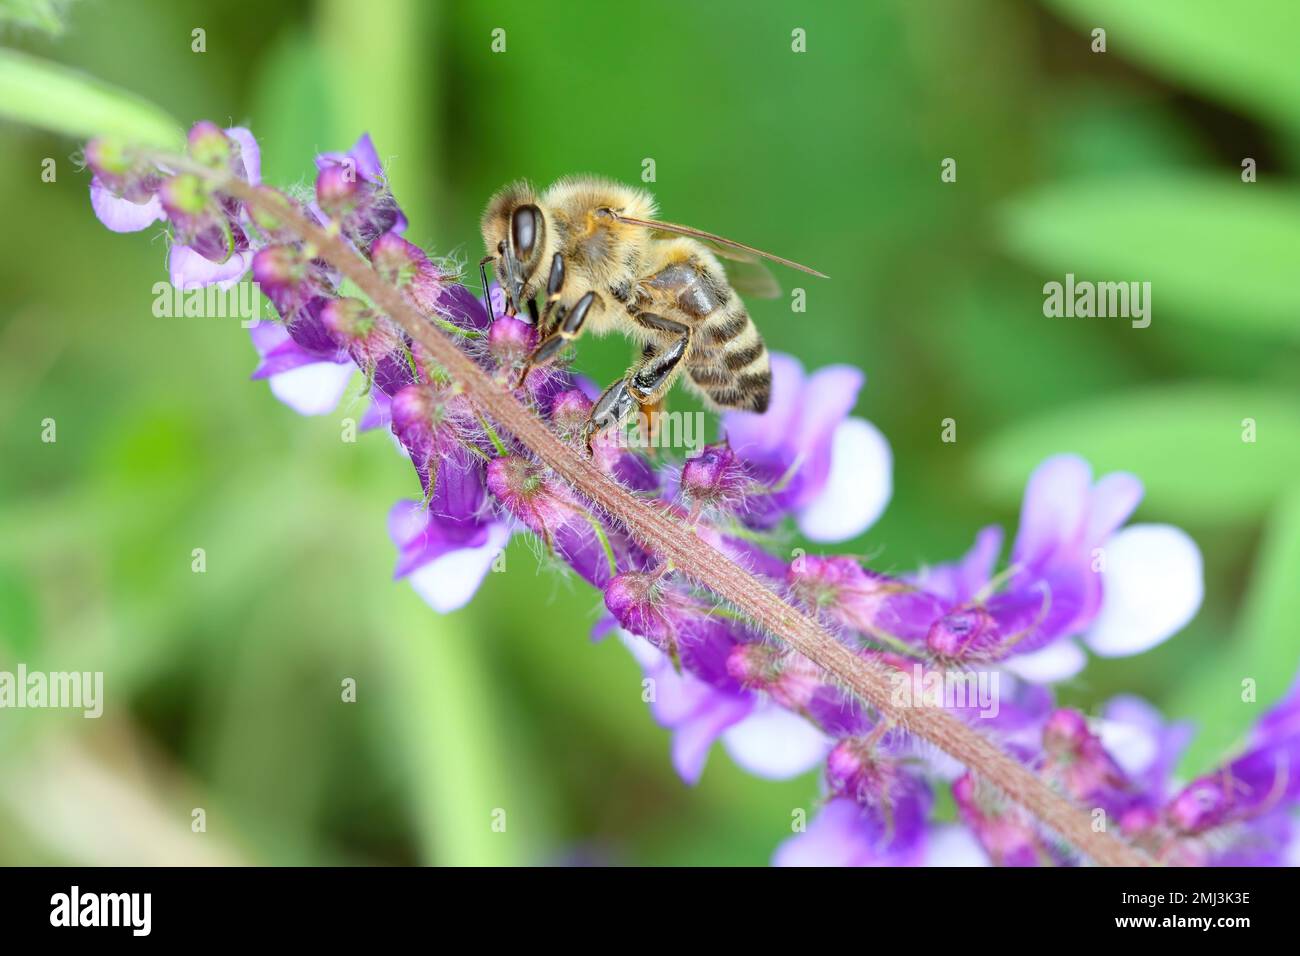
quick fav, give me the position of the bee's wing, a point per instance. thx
(749, 277)
(734, 249)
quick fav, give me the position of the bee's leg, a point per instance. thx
(644, 385)
(532, 310)
(554, 285)
(568, 329)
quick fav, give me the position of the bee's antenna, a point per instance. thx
(487, 295)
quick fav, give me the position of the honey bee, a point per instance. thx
(594, 249)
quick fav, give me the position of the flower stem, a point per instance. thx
(674, 541)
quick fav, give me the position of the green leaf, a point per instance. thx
(53, 97)
(1185, 442)
(1214, 250)
(1265, 648)
(1243, 53)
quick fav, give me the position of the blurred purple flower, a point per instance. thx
(833, 472)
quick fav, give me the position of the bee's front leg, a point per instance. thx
(570, 327)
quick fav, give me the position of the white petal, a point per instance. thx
(953, 845)
(189, 270)
(774, 743)
(1058, 661)
(1152, 586)
(122, 215)
(1134, 747)
(447, 583)
(858, 487)
(312, 389)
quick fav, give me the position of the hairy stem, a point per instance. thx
(675, 541)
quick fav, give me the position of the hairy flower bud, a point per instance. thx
(281, 272)
(790, 678)
(715, 478)
(199, 220)
(1006, 832)
(1076, 757)
(367, 334)
(208, 144)
(405, 265)
(510, 342)
(962, 634)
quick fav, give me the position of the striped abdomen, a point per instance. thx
(727, 361)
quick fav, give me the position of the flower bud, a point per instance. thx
(209, 145)
(1202, 805)
(790, 678)
(715, 478)
(338, 191)
(962, 634)
(185, 197)
(855, 769)
(423, 419)
(636, 601)
(1076, 757)
(367, 334)
(530, 494)
(569, 412)
(280, 272)
(1006, 832)
(405, 265)
(510, 342)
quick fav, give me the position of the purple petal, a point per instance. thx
(958, 583)
(1054, 512)
(694, 737)
(1113, 500)
(756, 437)
(249, 152)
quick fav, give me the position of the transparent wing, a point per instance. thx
(751, 278)
(733, 249)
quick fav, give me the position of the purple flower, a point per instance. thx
(352, 188)
(1074, 572)
(758, 734)
(1241, 814)
(833, 472)
(299, 377)
(192, 267)
(447, 549)
(877, 815)
(123, 191)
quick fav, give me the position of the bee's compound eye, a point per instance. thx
(524, 227)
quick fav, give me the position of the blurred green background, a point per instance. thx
(223, 688)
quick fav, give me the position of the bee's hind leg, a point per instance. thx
(644, 385)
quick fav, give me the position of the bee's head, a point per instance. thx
(514, 233)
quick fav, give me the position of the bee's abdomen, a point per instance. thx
(729, 362)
